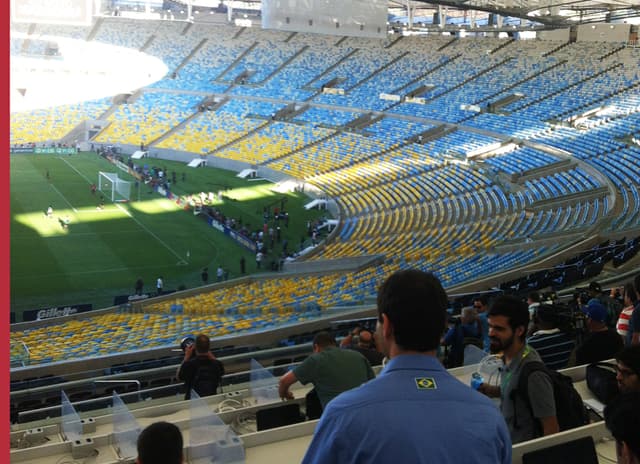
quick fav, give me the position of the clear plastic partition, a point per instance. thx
(473, 355)
(71, 425)
(210, 439)
(263, 384)
(125, 429)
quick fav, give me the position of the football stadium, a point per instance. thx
(256, 171)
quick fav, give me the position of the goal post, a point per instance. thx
(118, 190)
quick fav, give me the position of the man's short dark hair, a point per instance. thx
(630, 291)
(622, 417)
(483, 299)
(160, 443)
(324, 339)
(547, 314)
(202, 344)
(595, 287)
(630, 357)
(514, 309)
(416, 305)
(636, 282)
(534, 296)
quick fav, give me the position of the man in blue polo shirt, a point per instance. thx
(414, 411)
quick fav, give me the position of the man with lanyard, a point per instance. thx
(531, 417)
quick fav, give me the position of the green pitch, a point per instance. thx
(102, 252)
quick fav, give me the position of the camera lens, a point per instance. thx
(186, 341)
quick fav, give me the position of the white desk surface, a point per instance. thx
(286, 446)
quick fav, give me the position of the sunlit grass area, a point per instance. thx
(103, 251)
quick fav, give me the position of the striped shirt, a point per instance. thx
(553, 346)
(623, 321)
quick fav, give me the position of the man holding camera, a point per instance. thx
(200, 370)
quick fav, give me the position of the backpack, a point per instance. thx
(205, 380)
(601, 380)
(570, 410)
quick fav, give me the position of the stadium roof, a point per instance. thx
(551, 13)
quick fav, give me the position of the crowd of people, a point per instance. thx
(408, 411)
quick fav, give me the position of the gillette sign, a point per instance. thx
(55, 311)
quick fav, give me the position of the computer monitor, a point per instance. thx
(287, 414)
(581, 450)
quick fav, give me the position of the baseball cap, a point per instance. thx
(595, 286)
(596, 311)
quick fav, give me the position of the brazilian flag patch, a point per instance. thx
(425, 383)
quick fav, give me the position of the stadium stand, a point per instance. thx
(475, 196)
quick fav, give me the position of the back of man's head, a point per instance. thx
(483, 301)
(416, 305)
(534, 297)
(468, 314)
(160, 443)
(364, 339)
(622, 417)
(595, 288)
(547, 316)
(515, 310)
(202, 344)
(324, 339)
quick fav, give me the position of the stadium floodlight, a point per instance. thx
(117, 189)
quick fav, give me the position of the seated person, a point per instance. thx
(160, 443)
(628, 369)
(553, 344)
(461, 331)
(622, 417)
(602, 342)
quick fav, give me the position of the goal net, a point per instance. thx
(112, 186)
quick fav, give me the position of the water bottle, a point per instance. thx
(476, 380)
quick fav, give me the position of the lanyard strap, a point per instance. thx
(507, 376)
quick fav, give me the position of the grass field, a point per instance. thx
(103, 252)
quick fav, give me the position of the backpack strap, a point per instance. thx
(522, 389)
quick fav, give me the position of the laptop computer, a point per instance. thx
(278, 416)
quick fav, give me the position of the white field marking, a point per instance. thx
(97, 271)
(79, 173)
(63, 197)
(128, 214)
(119, 206)
(142, 226)
(132, 217)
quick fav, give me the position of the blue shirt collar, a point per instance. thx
(413, 362)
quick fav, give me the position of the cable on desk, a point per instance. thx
(244, 423)
(231, 404)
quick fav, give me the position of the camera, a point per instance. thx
(582, 295)
(186, 342)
